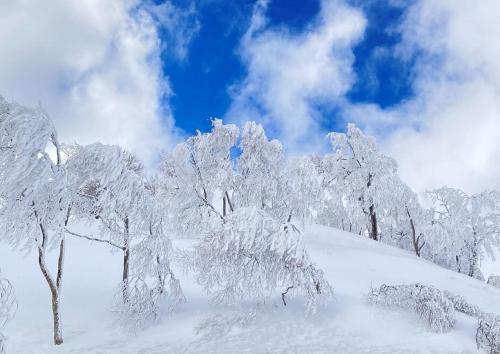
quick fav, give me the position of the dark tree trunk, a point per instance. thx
(231, 208)
(373, 222)
(373, 214)
(126, 263)
(417, 246)
(473, 257)
(126, 266)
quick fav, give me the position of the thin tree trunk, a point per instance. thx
(126, 266)
(229, 202)
(161, 279)
(373, 221)
(53, 286)
(126, 263)
(373, 214)
(58, 339)
(224, 205)
(473, 258)
(416, 240)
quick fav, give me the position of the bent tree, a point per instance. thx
(32, 189)
(108, 184)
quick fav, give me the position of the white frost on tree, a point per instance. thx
(35, 205)
(472, 223)
(362, 176)
(248, 247)
(8, 307)
(426, 301)
(110, 178)
(152, 280)
(250, 256)
(112, 191)
(488, 333)
(407, 224)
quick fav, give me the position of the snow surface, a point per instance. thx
(348, 325)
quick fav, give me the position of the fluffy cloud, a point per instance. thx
(93, 65)
(179, 25)
(290, 75)
(449, 133)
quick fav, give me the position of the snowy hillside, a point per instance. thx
(348, 325)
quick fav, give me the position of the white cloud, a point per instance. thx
(93, 65)
(290, 74)
(180, 25)
(449, 133)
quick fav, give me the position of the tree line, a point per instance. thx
(237, 194)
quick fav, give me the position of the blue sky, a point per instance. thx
(421, 76)
(201, 82)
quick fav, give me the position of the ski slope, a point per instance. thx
(348, 325)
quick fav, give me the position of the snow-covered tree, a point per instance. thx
(152, 280)
(250, 249)
(302, 193)
(407, 224)
(472, 223)
(259, 180)
(488, 333)
(110, 180)
(333, 209)
(8, 307)
(112, 191)
(250, 255)
(35, 205)
(362, 176)
(197, 179)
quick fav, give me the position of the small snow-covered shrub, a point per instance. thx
(488, 333)
(426, 301)
(141, 308)
(8, 307)
(461, 305)
(221, 324)
(143, 305)
(494, 280)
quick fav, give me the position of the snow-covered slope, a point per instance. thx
(349, 325)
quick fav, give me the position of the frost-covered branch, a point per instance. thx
(90, 238)
(427, 302)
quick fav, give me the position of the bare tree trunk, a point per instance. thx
(126, 266)
(126, 263)
(224, 205)
(472, 266)
(417, 246)
(229, 202)
(373, 221)
(473, 257)
(58, 339)
(373, 214)
(54, 286)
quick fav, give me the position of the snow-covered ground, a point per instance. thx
(348, 325)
